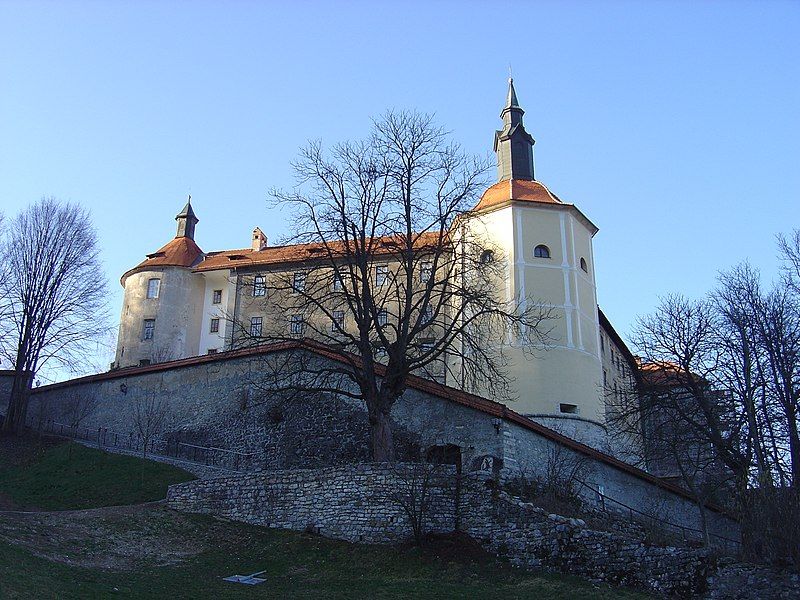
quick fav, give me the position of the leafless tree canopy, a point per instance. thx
(394, 283)
(722, 383)
(150, 414)
(53, 295)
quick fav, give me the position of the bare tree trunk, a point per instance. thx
(381, 437)
(18, 402)
(794, 445)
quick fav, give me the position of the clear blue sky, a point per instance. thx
(673, 126)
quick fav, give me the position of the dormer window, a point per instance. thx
(541, 251)
(153, 288)
(584, 266)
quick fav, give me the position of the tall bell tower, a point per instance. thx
(546, 246)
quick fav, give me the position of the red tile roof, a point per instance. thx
(519, 190)
(179, 252)
(457, 396)
(275, 255)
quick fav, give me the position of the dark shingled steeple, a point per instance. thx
(186, 221)
(512, 144)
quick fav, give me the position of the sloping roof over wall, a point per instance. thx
(178, 252)
(298, 253)
(489, 407)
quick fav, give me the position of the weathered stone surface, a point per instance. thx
(220, 403)
(361, 503)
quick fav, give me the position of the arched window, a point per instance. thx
(541, 251)
(584, 266)
(487, 256)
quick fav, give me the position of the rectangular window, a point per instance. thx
(380, 352)
(212, 351)
(144, 362)
(255, 326)
(260, 286)
(381, 272)
(427, 315)
(605, 378)
(427, 344)
(569, 409)
(214, 325)
(602, 345)
(338, 284)
(337, 322)
(296, 324)
(299, 282)
(149, 328)
(216, 297)
(153, 287)
(383, 317)
(425, 272)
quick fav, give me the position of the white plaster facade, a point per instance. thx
(560, 385)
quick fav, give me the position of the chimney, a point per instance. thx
(259, 240)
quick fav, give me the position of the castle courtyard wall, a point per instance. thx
(218, 401)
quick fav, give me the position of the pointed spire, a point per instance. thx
(511, 100)
(512, 144)
(186, 220)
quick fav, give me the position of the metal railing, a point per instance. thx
(104, 437)
(686, 533)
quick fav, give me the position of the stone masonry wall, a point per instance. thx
(6, 382)
(357, 503)
(362, 503)
(220, 402)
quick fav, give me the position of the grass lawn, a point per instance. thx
(60, 476)
(296, 565)
(148, 551)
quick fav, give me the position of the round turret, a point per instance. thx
(162, 302)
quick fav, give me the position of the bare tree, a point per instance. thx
(149, 417)
(415, 488)
(77, 406)
(55, 295)
(681, 340)
(392, 282)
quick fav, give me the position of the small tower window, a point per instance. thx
(296, 324)
(541, 251)
(383, 317)
(259, 286)
(337, 321)
(216, 297)
(381, 272)
(425, 272)
(584, 266)
(153, 287)
(149, 329)
(570, 409)
(298, 282)
(255, 326)
(487, 257)
(214, 326)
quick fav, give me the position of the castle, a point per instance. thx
(182, 302)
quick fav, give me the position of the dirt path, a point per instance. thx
(119, 538)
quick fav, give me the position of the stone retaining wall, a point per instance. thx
(363, 503)
(220, 402)
(358, 503)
